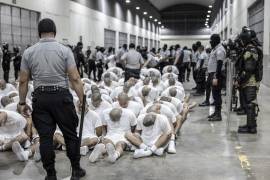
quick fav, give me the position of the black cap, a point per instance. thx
(46, 26)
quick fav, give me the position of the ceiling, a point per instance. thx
(162, 4)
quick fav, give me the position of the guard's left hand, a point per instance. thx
(215, 82)
(24, 110)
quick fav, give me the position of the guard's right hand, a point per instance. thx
(24, 110)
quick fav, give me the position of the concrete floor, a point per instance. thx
(204, 151)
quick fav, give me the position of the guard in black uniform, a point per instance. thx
(17, 61)
(249, 77)
(6, 61)
(79, 58)
(52, 66)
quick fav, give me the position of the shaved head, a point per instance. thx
(96, 99)
(127, 86)
(149, 119)
(170, 69)
(155, 80)
(123, 100)
(3, 84)
(94, 89)
(6, 100)
(171, 81)
(146, 81)
(166, 98)
(145, 91)
(115, 114)
(154, 108)
(173, 92)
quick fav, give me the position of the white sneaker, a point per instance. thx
(96, 153)
(171, 148)
(37, 156)
(139, 153)
(19, 151)
(27, 144)
(112, 156)
(159, 152)
(84, 150)
(64, 148)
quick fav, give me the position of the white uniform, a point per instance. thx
(151, 134)
(152, 96)
(131, 93)
(166, 76)
(133, 106)
(99, 110)
(91, 122)
(179, 95)
(113, 85)
(116, 130)
(177, 83)
(9, 88)
(174, 70)
(160, 87)
(13, 127)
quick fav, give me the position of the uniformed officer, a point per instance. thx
(100, 62)
(17, 61)
(122, 50)
(51, 65)
(6, 61)
(249, 77)
(164, 53)
(133, 61)
(79, 57)
(214, 81)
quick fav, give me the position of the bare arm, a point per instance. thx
(76, 82)
(23, 85)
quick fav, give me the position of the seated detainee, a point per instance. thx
(158, 84)
(12, 134)
(154, 72)
(152, 93)
(5, 88)
(108, 83)
(117, 71)
(174, 92)
(125, 102)
(152, 134)
(172, 82)
(170, 69)
(116, 123)
(128, 88)
(113, 76)
(140, 83)
(97, 104)
(167, 76)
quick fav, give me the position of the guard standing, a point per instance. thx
(6, 61)
(51, 65)
(216, 59)
(79, 57)
(17, 61)
(249, 77)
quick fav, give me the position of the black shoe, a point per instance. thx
(247, 130)
(212, 115)
(187, 80)
(216, 117)
(198, 94)
(212, 104)
(241, 112)
(243, 127)
(50, 178)
(194, 88)
(205, 103)
(77, 174)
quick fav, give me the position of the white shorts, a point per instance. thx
(115, 138)
(150, 143)
(90, 136)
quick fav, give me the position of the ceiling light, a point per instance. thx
(207, 19)
(138, 8)
(128, 1)
(210, 6)
(209, 11)
(208, 16)
(155, 20)
(159, 22)
(150, 17)
(145, 13)
(162, 27)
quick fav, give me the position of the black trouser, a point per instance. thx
(216, 93)
(242, 98)
(16, 71)
(92, 68)
(186, 68)
(200, 80)
(181, 75)
(100, 70)
(129, 73)
(194, 71)
(6, 69)
(51, 109)
(250, 94)
(119, 65)
(209, 86)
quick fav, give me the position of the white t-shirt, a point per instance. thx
(131, 93)
(177, 83)
(153, 94)
(179, 95)
(127, 120)
(151, 134)
(187, 55)
(9, 88)
(112, 76)
(91, 122)
(202, 56)
(113, 85)
(174, 69)
(13, 127)
(99, 110)
(167, 75)
(133, 106)
(160, 87)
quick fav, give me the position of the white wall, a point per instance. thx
(74, 20)
(185, 40)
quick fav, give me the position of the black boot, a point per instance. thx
(247, 130)
(241, 112)
(204, 104)
(216, 117)
(50, 178)
(77, 174)
(212, 115)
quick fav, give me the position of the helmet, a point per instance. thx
(246, 35)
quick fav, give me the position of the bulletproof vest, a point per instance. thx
(250, 60)
(6, 57)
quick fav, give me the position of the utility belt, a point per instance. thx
(50, 89)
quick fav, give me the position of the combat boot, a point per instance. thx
(77, 174)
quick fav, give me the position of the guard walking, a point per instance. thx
(51, 65)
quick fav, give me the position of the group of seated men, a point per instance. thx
(144, 116)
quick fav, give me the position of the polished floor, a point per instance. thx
(205, 151)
